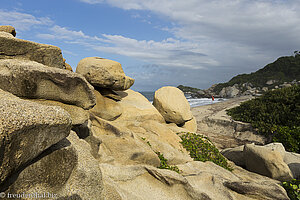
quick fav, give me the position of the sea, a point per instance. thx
(194, 102)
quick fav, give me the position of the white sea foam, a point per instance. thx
(193, 101)
(203, 101)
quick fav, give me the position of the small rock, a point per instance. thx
(8, 29)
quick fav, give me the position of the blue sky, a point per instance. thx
(163, 42)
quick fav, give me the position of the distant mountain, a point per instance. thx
(187, 89)
(285, 71)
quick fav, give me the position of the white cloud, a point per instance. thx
(264, 25)
(168, 52)
(22, 21)
(63, 33)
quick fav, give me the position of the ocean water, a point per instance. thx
(193, 102)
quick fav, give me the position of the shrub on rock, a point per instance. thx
(202, 149)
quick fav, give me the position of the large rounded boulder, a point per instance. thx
(104, 73)
(172, 105)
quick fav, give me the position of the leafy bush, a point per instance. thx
(202, 149)
(293, 189)
(276, 115)
(290, 137)
(164, 164)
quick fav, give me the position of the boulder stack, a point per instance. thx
(14, 48)
(30, 79)
(104, 73)
(26, 130)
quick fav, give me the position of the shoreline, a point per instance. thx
(220, 128)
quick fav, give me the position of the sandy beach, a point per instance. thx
(224, 132)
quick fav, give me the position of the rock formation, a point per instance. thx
(26, 130)
(8, 29)
(11, 48)
(270, 160)
(118, 135)
(104, 73)
(30, 79)
(172, 105)
(266, 162)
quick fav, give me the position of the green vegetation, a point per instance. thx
(163, 161)
(149, 144)
(187, 89)
(202, 149)
(276, 115)
(284, 69)
(293, 189)
(164, 164)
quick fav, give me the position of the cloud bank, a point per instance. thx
(209, 38)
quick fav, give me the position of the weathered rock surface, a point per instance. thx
(78, 114)
(67, 66)
(66, 170)
(141, 126)
(106, 92)
(191, 125)
(236, 155)
(137, 107)
(30, 79)
(293, 161)
(106, 108)
(266, 162)
(224, 132)
(229, 92)
(198, 181)
(104, 73)
(11, 47)
(27, 129)
(8, 29)
(172, 105)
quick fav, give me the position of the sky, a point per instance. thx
(163, 42)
